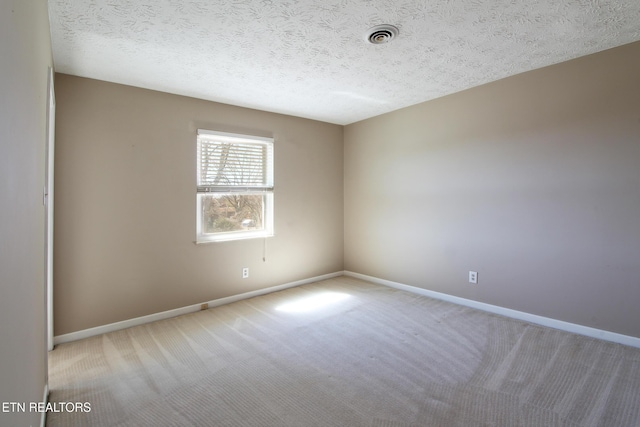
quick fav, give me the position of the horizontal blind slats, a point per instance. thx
(234, 165)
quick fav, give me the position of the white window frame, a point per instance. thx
(265, 188)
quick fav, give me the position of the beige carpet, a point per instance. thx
(357, 354)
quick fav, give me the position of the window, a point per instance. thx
(235, 186)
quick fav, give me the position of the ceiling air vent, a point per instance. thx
(381, 34)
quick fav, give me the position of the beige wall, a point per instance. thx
(533, 181)
(25, 55)
(125, 204)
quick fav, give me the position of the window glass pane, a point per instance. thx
(232, 212)
(234, 186)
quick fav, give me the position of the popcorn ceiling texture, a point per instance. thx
(308, 58)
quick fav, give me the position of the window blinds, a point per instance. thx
(230, 162)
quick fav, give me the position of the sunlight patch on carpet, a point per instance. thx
(313, 303)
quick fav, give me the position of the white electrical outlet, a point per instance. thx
(245, 272)
(473, 277)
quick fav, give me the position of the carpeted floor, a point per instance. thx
(344, 352)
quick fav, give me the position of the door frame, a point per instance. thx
(48, 202)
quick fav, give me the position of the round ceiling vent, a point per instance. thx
(381, 34)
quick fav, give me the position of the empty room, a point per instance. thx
(305, 213)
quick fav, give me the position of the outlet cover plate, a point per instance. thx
(473, 277)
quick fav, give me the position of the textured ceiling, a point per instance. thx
(308, 58)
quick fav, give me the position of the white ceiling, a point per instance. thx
(308, 58)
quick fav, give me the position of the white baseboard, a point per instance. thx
(515, 314)
(45, 400)
(86, 333)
